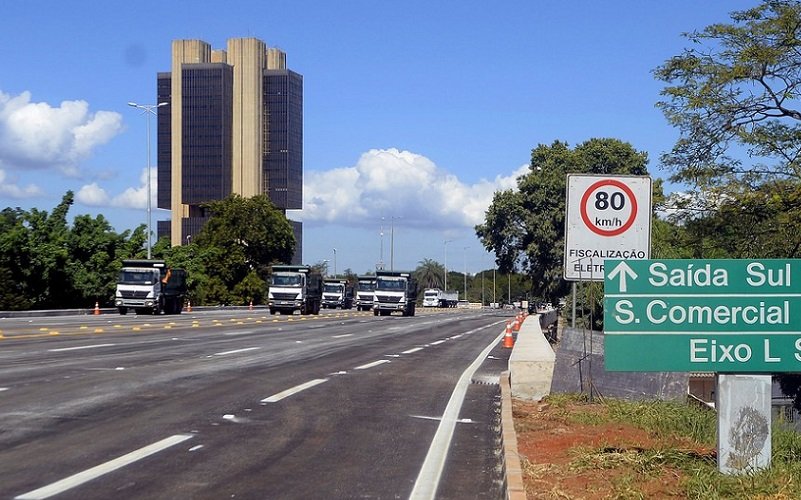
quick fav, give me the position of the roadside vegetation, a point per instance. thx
(621, 449)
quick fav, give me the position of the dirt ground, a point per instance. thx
(579, 461)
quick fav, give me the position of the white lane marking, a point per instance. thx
(95, 346)
(235, 351)
(438, 342)
(294, 390)
(371, 365)
(342, 336)
(412, 350)
(195, 448)
(99, 470)
(425, 487)
(460, 421)
(242, 332)
(392, 355)
(3, 389)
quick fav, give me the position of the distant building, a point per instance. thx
(234, 125)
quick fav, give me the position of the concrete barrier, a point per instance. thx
(532, 361)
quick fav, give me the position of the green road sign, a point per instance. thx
(723, 315)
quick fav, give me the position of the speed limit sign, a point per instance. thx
(607, 218)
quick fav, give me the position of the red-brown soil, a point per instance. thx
(554, 453)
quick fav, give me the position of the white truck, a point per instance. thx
(150, 287)
(365, 292)
(434, 297)
(394, 291)
(294, 288)
(337, 293)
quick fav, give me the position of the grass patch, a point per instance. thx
(672, 422)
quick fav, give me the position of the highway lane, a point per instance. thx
(212, 390)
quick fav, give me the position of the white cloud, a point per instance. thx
(133, 197)
(393, 183)
(92, 195)
(8, 187)
(39, 136)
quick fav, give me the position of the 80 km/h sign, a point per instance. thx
(607, 218)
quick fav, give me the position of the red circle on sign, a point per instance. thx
(603, 232)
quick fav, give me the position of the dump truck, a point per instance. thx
(294, 288)
(394, 291)
(337, 293)
(365, 292)
(434, 297)
(150, 287)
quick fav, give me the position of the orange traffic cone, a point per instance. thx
(250, 307)
(189, 306)
(508, 339)
(97, 308)
(516, 324)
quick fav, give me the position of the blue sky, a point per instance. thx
(415, 112)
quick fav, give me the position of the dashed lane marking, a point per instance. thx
(102, 469)
(371, 365)
(235, 351)
(95, 346)
(294, 390)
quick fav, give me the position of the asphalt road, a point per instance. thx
(240, 404)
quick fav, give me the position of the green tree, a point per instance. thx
(429, 274)
(14, 261)
(94, 261)
(734, 97)
(525, 227)
(241, 240)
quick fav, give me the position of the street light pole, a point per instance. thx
(464, 255)
(149, 110)
(335, 263)
(446, 263)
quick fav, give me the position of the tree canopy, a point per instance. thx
(525, 227)
(734, 98)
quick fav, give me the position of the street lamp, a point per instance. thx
(392, 242)
(335, 263)
(149, 110)
(464, 255)
(446, 263)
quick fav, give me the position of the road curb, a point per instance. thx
(515, 489)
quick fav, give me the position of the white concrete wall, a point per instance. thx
(532, 361)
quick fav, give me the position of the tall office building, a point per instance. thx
(234, 125)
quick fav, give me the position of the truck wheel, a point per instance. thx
(375, 312)
(272, 311)
(123, 310)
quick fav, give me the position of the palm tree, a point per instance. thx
(430, 274)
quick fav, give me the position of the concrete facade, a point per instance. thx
(214, 140)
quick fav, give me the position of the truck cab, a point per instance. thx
(365, 292)
(294, 288)
(337, 294)
(149, 287)
(394, 291)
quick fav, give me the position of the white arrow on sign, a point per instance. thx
(623, 270)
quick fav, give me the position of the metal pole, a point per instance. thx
(464, 256)
(335, 263)
(148, 186)
(392, 244)
(446, 264)
(573, 322)
(149, 110)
